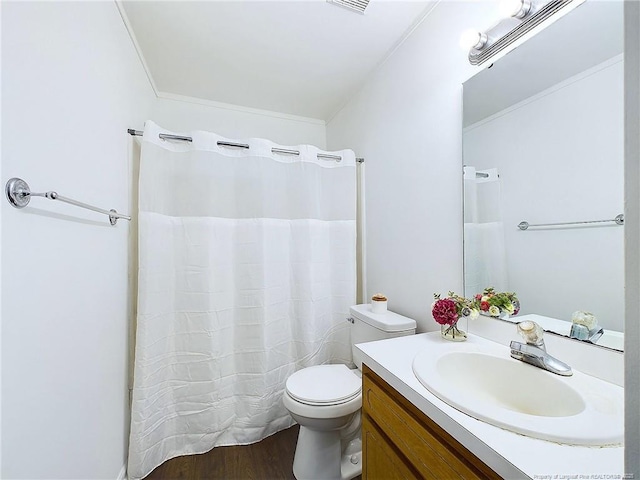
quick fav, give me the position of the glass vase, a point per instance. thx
(453, 333)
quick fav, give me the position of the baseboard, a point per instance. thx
(123, 473)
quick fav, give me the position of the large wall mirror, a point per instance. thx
(543, 144)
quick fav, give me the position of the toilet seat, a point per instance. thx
(324, 385)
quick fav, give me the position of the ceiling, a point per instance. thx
(303, 58)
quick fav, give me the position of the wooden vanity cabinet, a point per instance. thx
(401, 442)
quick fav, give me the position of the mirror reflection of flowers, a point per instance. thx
(494, 303)
(447, 311)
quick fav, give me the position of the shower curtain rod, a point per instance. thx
(168, 136)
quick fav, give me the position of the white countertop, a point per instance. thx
(509, 454)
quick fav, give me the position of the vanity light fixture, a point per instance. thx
(521, 17)
(358, 6)
(473, 39)
(514, 8)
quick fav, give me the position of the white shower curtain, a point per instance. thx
(247, 269)
(485, 260)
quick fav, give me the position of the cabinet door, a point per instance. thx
(430, 451)
(381, 461)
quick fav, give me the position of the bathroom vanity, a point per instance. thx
(408, 432)
(400, 441)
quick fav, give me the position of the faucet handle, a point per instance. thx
(531, 332)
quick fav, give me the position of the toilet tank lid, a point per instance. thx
(387, 322)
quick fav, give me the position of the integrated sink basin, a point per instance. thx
(486, 383)
(501, 382)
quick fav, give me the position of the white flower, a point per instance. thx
(510, 308)
(484, 299)
(474, 314)
(494, 311)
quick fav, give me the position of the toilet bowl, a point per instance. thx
(326, 400)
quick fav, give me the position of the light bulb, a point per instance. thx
(514, 8)
(472, 39)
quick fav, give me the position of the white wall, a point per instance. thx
(1, 250)
(407, 123)
(71, 86)
(560, 158)
(632, 237)
(185, 114)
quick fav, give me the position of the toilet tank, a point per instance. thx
(367, 326)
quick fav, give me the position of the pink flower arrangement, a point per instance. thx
(445, 311)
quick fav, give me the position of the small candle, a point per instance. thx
(378, 303)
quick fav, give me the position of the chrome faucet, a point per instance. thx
(534, 351)
(581, 332)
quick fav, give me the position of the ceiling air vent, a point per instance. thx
(353, 5)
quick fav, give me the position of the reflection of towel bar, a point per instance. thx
(619, 220)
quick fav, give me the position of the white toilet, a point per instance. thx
(326, 400)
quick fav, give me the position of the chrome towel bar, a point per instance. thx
(19, 194)
(619, 220)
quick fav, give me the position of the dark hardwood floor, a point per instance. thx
(270, 459)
